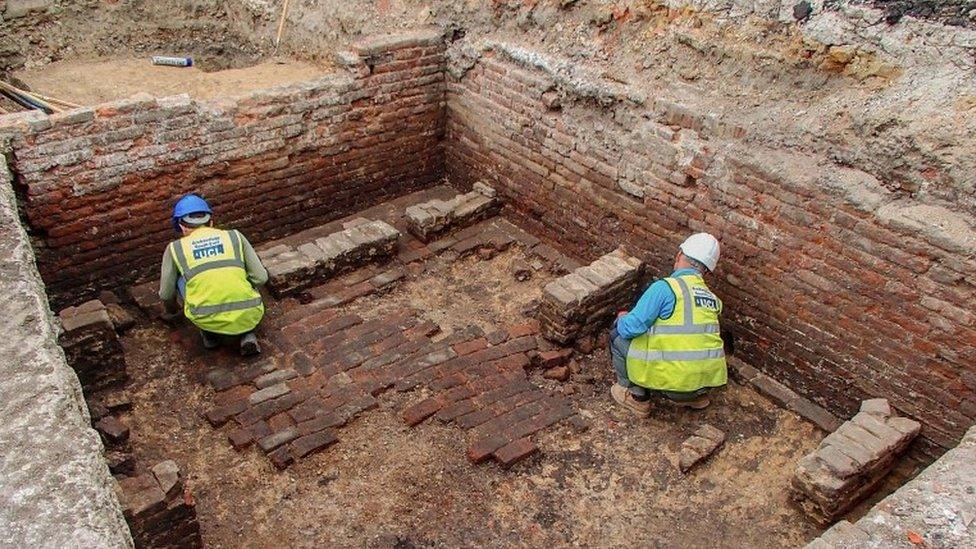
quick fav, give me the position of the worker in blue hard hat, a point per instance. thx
(214, 273)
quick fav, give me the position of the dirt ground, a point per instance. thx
(386, 484)
(89, 82)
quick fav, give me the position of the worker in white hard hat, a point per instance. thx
(669, 344)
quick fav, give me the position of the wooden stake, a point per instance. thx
(281, 26)
(56, 100)
(7, 87)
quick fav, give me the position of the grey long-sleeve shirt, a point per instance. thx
(169, 274)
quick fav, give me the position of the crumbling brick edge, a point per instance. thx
(929, 510)
(55, 488)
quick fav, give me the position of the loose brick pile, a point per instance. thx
(92, 345)
(292, 269)
(832, 283)
(100, 182)
(851, 462)
(160, 512)
(585, 300)
(436, 217)
(334, 365)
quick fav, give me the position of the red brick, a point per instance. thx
(230, 396)
(309, 444)
(515, 451)
(551, 359)
(525, 329)
(281, 457)
(469, 347)
(219, 416)
(280, 421)
(421, 411)
(319, 423)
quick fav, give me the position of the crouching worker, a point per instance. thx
(214, 274)
(669, 344)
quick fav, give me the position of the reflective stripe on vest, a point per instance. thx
(689, 327)
(225, 307)
(219, 297)
(684, 352)
(189, 273)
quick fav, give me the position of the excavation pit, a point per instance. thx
(385, 480)
(582, 165)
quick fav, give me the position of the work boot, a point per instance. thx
(699, 403)
(625, 398)
(210, 340)
(249, 344)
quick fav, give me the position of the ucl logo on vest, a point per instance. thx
(207, 247)
(705, 299)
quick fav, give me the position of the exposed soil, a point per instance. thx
(386, 484)
(89, 82)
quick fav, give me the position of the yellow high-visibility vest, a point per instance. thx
(219, 297)
(683, 352)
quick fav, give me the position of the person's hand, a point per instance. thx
(621, 314)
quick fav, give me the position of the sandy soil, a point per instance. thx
(385, 484)
(89, 82)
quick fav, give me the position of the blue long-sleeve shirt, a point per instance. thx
(657, 302)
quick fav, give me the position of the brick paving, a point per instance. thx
(332, 367)
(326, 366)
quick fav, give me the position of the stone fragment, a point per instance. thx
(521, 271)
(112, 430)
(120, 318)
(120, 462)
(559, 373)
(699, 446)
(168, 475)
(146, 297)
(877, 406)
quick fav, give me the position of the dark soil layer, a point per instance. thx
(950, 12)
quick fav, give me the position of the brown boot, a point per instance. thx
(699, 403)
(625, 398)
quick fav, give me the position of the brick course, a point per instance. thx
(832, 283)
(96, 184)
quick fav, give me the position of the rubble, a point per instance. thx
(435, 218)
(160, 512)
(92, 346)
(293, 269)
(699, 446)
(585, 300)
(851, 462)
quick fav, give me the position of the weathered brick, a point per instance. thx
(515, 451)
(311, 443)
(421, 411)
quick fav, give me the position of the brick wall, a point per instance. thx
(832, 285)
(97, 184)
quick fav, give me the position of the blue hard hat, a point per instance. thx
(189, 204)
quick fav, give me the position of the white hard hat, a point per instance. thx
(702, 247)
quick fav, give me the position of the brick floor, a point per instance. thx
(324, 367)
